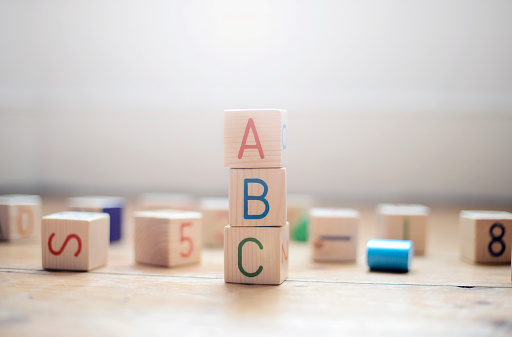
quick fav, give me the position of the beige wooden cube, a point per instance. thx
(215, 218)
(256, 255)
(20, 216)
(168, 237)
(114, 206)
(333, 234)
(486, 236)
(298, 207)
(403, 222)
(75, 240)
(257, 197)
(164, 200)
(255, 138)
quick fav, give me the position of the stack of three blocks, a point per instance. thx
(256, 241)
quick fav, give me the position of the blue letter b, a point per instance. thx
(255, 197)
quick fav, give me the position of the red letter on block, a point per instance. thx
(250, 125)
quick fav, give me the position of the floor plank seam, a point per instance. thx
(21, 270)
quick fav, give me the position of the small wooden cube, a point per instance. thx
(257, 197)
(162, 200)
(486, 236)
(298, 209)
(20, 216)
(113, 206)
(255, 138)
(215, 218)
(333, 234)
(75, 240)
(168, 237)
(403, 222)
(256, 255)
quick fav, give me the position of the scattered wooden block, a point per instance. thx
(390, 255)
(160, 200)
(257, 197)
(255, 138)
(298, 215)
(333, 234)
(215, 218)
(256, 255)
(486, 236)
(20, 216)
(168, 237)
(112, 205)
(403, 222)
(75, 240)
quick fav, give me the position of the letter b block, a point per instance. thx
(255, 138)
(256, 255)
(257, 197)
(486, 236)
(75, 240)
(168, 237)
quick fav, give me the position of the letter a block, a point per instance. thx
(168, 237)
(256, 255)
(257, 197)
(486, 236)
(75, 240)
(20, 215)
(403, 222)
(333, 234)
(112, 205)
(255, 138)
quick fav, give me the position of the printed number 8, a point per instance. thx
(498, 239)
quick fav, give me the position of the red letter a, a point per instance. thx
(250, 125)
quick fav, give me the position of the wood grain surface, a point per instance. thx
(442, 295)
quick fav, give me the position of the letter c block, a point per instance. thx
(257, 197)
(75, 240)
(256, 255)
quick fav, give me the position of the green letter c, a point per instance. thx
(240, 267)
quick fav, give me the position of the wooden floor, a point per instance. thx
(442, 295)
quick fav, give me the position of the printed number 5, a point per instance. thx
(186, 239)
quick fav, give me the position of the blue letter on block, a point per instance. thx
(255, 197)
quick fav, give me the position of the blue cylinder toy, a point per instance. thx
(390, 255)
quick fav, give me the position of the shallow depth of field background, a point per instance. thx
(387, 100)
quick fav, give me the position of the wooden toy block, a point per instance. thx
(486, 236)
(168, 237)
(256, 255)
(403, 222)
(113, 206)
(333, 234)
(298, 215)
(215, 218)
(257, 197)
(20, 216)
(255, 138)
(75, 240)
(161, 200)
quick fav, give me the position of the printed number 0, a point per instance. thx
(186, 239)
(498, 239)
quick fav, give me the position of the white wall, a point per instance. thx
(388, 100)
